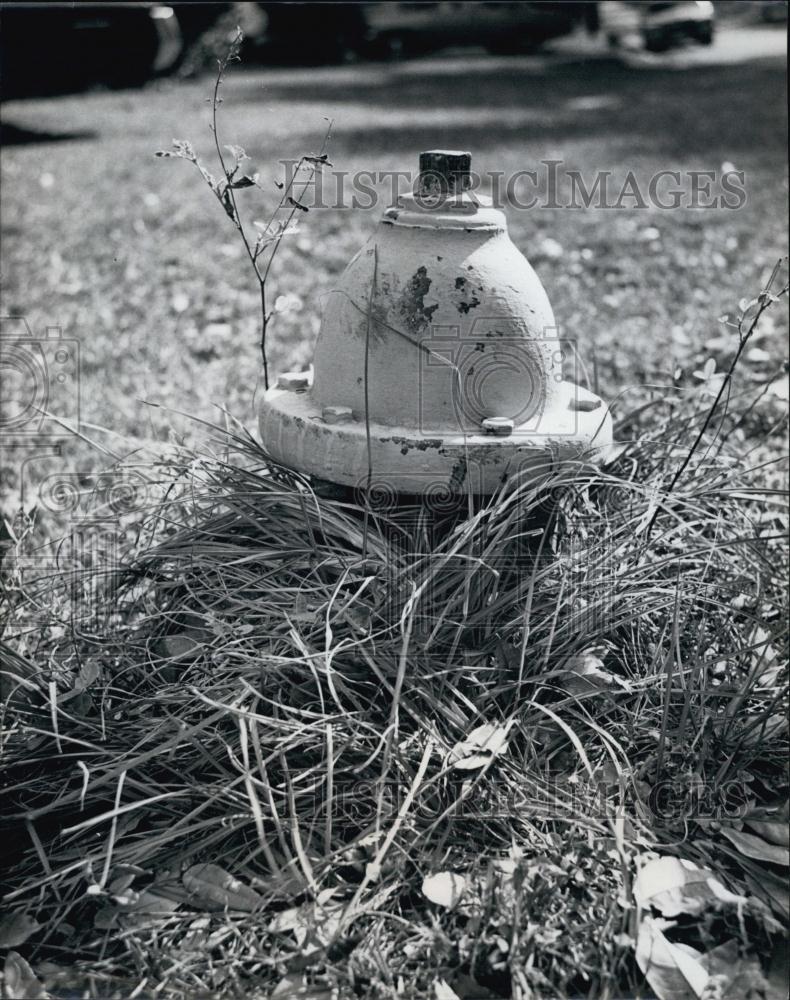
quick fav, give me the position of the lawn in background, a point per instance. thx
(131, 255)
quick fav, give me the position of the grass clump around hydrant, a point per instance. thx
(290, 748)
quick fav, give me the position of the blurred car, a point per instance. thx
(657, 25)
(500, 27)
(773, 11)
(325, 30)
(57, 47)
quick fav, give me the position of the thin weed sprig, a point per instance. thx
(262, 249)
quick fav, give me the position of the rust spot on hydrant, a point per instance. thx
(415, 313)
(467, 298)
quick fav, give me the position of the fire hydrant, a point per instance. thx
(438, 366)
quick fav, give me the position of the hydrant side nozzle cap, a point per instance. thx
(449, 168)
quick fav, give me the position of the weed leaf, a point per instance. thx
(19, 980)
(16, 928)
(757, 848)
(776, 833)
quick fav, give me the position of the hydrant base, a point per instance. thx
(365, 455)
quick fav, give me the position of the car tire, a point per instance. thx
(657, 41)
(704, 34)
(514, 46)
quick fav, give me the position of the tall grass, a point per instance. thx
(275, 683)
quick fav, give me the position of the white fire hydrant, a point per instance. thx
(438, 366)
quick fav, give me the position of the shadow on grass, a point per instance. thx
(18, 135)
(692, 109)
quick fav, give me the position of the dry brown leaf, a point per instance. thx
(442, 991)
(480, 747)
(734, 977)
(674, 886)
(673, 971)
(295, 987)
(215, 888)
(585, 672)
(19, 980)
(444, 888)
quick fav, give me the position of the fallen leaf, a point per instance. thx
(479, 747)
(468, 988)
(778, 970)
(215, 888)
(444, 992)
(19, 980)
(294, 986)
(673, 971)
(738, 978)
(444, 888)
(90, 671)
(756, 847)
(674, 886)
(178, 647)
(292, 919)
(585, 672)
(16, 928)
(138, 910)
(319, 920)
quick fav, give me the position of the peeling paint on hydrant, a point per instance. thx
(438, 352)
